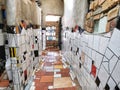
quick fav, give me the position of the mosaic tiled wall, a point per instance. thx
(95, 59)
(22, 54)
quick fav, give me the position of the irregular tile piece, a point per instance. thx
(98, 59)
(112, 63)
(90, 41)
(108, 54)
(114, 42)
(111, 84)
(107, 87)
(97, 81)
(105, 59)
(103, 44)
(93, 54)
(96, 43)
(117, 88)
(106, 65)
(102, 78)
(116, 73)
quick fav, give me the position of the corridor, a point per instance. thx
(59, 44)
(53, 74)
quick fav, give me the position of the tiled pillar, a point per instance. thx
(11, 12)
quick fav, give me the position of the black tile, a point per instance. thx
(36, 53)
(2, 52)
(97, 81)
(24, 57)
(71, 48)
(79, 65)
(35, 36)
(107, 87)
(80, 58)
(117, 88)
(25, 52)
(77, 51)
(6, 41)
(118, 23)
(17, 61)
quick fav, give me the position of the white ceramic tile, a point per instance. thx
(91, 82)
(101, 87)
(106, 65)
(84, 47)
(94, 54)
(108, 54)
(111, 84)
(103, 76)
(90, 41)
(96, 42)
(57, 75)
(115, 42)
(109, 34)
(105, 59)
(49, 68)
(97, 88)
(88, 64)
(80, 41)
(90, 52)
(98, 60)
(112, 63)
(119, 85)
(32, 88)
(50, 87)
(76, 43)
(116, 73)
(103, 44)
(14, 40)
(85, 38)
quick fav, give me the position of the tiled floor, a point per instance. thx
(53, 75)
(62, 82)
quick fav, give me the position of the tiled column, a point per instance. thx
(11, 12)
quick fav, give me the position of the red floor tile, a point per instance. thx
(46, 79)
(4, 83)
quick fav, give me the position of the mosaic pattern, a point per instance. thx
(104, 50)
(24, 55)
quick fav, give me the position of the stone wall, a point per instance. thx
(27, 10)
(74, 12)
(51, 7)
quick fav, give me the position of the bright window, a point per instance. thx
(52, 18)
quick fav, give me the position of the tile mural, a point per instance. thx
(98, 60)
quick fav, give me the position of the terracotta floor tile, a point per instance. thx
(46, 79)
(36, 80)
(45, 88)
(4, 83)
(49, 73)
(70, 88)
(37, 76)
(40, 73)
(65, 75)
